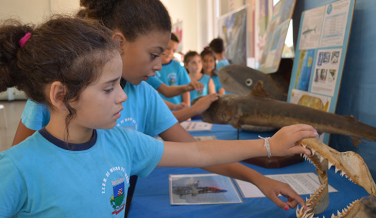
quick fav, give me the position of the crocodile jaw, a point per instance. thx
(350, 164)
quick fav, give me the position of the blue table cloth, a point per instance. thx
(151, 198)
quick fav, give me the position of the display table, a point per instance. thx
(151, 197)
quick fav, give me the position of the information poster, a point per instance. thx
(232, 28)
(276, 35)
(263, 15)
(320, 56)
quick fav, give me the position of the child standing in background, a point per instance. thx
(193, 64)
(218, 47)
(172, 73)
(209, 68)
(79, 164)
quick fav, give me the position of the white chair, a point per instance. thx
(5, 116)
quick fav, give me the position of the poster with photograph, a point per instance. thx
(308, 99)
(276, 35)
(326, 71)
(320, 56)
(232, 29)
(191, 189)
(177, 29)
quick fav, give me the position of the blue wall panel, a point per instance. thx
(357, 94)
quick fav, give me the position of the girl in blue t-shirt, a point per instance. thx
(209, 68)
(142, 40)
(75, 68)
(193, 65)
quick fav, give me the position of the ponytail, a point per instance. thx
(11, 32)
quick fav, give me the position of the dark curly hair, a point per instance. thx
(132, 17)
(69, 50)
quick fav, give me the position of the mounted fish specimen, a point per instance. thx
(258, 110)
(352, 166)
(241, 80)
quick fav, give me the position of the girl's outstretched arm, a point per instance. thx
(271, 188)
(216, 152)
(200, 106)
(172, 91)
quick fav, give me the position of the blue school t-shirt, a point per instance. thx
(143, 111)
(205, 81)
(40, 177)
(222, 63)
(173, 74)
(154, 82)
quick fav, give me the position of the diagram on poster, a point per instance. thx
(320, 56)
(312, 29)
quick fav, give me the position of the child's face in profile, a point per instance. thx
(194, 65)
(208, 63)
(142, 57)
(168, 54)
(99, 104)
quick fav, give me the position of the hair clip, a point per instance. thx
(24, 39)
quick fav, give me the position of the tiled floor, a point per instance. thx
(13, 110)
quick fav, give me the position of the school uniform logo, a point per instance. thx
(117, 198)
(115, 184)
(172, 79)
(127, 123)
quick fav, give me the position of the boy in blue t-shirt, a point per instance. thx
(172, 73)
(218, 48)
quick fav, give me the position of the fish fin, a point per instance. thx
(356, 141)
(351, 118)
(258, 91)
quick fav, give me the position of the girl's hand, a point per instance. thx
(194, 85)
(203, 103)
(180, 106)
(282, 143)
(272, 188)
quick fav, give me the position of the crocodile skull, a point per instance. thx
(352, 166)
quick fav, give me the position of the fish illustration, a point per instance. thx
(308, 30)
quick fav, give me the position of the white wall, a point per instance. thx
(199, 19)
(186, 11)
(32, 11)
(35, 11)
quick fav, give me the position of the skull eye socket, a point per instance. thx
(248, 82)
